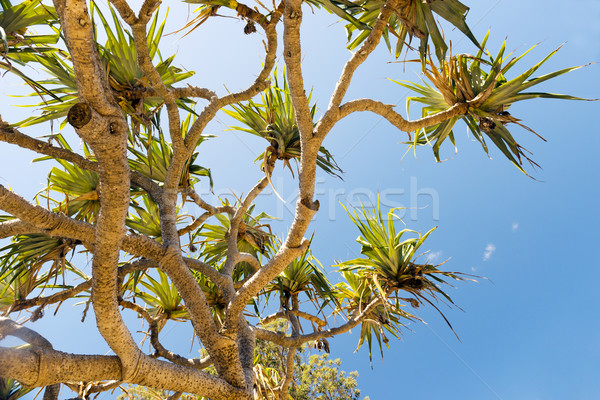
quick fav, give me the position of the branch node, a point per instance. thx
(311, 205)
(79, 115)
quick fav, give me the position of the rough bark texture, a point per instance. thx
(102, 124)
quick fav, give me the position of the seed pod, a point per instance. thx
(250, 27)
(487, 124)
(79, 115)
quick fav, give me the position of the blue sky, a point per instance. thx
(531, 329)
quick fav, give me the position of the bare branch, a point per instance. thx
(289, 372)
(12, 135)
(210, 211)
(277, 13)
(147, 9)
(233, 253)
(202, 204)
(194, 92)
(125, 11)
(387, 111)
(155, 327)
(195, 224)
(142, 92)
(257, 281)
(17, 227)
(44, 367)
(309, 317)
(294, 341)
(71, 292)
(250, 259)
(9, 327)
(274, 317)
(54, 298)
(355, 61)
(145, 62)
(292, 19)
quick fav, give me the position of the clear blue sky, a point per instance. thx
(532, 329)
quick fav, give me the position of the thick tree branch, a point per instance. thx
(309, 317)
(147, 9)
(295, 341)
(155, 327)
(10, 328)
(289, 372)
(44, 367)
(53, 223)
(106, 133)
(17, 227)
(145, 62)
(173, 263)
(59, 225)
(274, 317)
(125, 11)
(233, 253)
(355, 61)
(250, 259)
(222, 349)
(230, 366)
(260, 279)
(178, 93)
(292, 19)
(86, 285)
(387, 112)
(12, 135)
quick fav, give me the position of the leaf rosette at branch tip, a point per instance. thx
(23, 266)
(163, 300)
(19, 43)
(118, 55)
(151, 153)
(483, 86)
(304, 275)
(146, 219)
(273, 119)
(411, 18)
(389, 266)
(11, 389)
(210, 8)
(254, 237)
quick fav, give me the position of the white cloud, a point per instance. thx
(435, 256)
(515, 226)
(489, 250)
